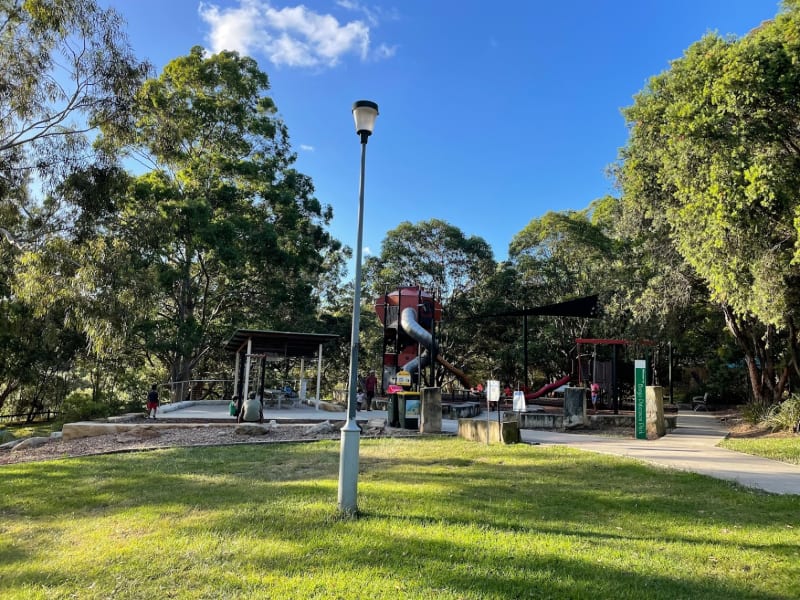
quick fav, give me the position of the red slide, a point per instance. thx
(547, 388)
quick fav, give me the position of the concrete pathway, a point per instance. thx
(690, 447)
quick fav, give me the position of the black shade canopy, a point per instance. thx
(288, 343)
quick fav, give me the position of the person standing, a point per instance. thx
(369, 386)
(595, 391)
(152, 402)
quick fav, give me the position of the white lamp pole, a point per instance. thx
(365, 113)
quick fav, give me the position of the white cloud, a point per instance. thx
(374, 14)
(306, 148)
(232, 29)
(366, 251)
(293, 36)
(384, 51)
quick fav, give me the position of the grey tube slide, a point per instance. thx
(408, 321)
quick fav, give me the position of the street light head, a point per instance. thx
(365, 113)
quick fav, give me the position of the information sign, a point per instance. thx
(640, 384)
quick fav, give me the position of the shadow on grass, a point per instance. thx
(438, 515)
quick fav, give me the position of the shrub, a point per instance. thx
(755, 412)
(784, 416)
(79, 406)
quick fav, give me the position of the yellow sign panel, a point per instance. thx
(403, 378)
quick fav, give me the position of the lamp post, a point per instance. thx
(365, 113)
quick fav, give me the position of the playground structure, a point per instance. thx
(585, 307)
(548, 388)
(409, 316)
(605, 373)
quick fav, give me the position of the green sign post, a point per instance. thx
(640, 383)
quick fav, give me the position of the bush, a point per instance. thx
(784, 416)
(79, 406)
(755, 412)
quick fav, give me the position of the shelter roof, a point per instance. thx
(287, 343)
(611, 342)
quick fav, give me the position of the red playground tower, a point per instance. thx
(409, 316)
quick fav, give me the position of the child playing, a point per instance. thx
(595, 389)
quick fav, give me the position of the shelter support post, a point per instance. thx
(525, 346)
(614, 386)
(246, 389)
(671, 391)
(236, 374)
(319, 373)
(302, 368)
(263, 375)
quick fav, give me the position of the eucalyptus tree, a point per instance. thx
(65, 68)
(434, 254)
(713, 159)
(227, 231)
(443, 260)
(561, 256)
(215, 230)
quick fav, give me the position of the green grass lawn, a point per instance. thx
(786, 449)
(441, 518)
(18, 431)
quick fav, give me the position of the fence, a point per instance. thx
(47, 415)
(199, 389)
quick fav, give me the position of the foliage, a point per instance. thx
(261, 520)
(712, 163)
(558, 257)
(755, 412)
(433, 254)
(82, 406)
(34, 354)
(221, 233)
(65, 68)
(727, 381)
(784, 416)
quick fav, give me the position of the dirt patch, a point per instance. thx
(203, 435)
(738, 427)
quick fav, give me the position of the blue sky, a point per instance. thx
(491, 113)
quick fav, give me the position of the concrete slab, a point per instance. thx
(215, 410)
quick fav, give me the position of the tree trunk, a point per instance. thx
(6, 391)
(759, 351)
(181, 375)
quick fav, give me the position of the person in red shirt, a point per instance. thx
(595, 390)
(369, 387)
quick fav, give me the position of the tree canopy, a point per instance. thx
(713, 157)
(218, 232)
(65, 68)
